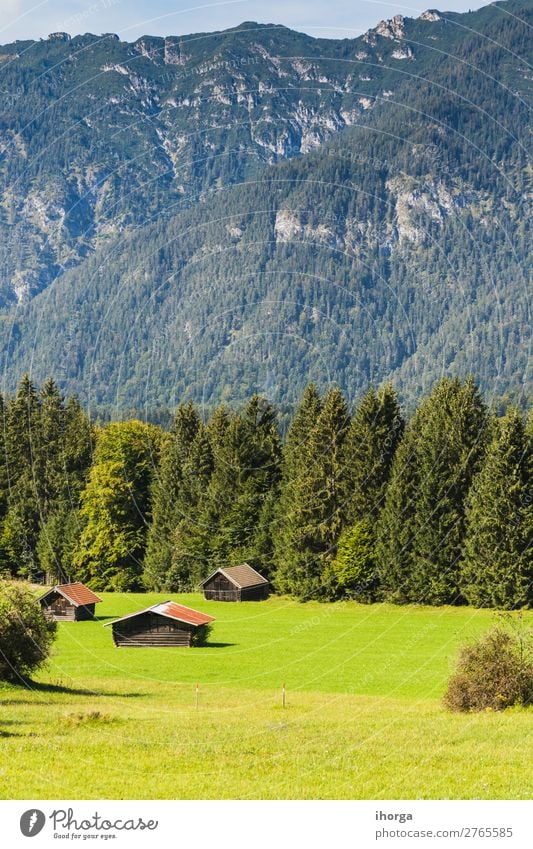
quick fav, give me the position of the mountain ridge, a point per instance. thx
(457, 171)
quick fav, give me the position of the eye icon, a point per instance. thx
(32, 822)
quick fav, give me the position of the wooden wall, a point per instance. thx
(255, 593)
(85, 611)
(219, 588)
(149, 629)
(59, 608)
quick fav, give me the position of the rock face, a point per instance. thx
(430, 15)
(395, 28)
(196, 216)
(402, 53)
(171, 118)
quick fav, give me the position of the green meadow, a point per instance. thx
(363, 715)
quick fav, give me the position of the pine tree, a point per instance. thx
(52, 472)
(57, 544)
(373, 436)
(292, 466)
(422, 524)
(314, 517)
(449, 452)
(246, 472)
(497, 567)
(4, 489)
(67, 441)
(22, 433)
(396, 527)
(23, 453)
(191, 538)
(167, 508)
(78, 446)
(298, 433)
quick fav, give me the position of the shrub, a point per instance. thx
(496, 672)
(201, 635)
(26, 636)
(353, 572)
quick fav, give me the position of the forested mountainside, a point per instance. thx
(218, 214)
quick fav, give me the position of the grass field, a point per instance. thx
(363, 717)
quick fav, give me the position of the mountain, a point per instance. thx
(247, 210)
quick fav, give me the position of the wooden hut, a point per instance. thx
(164, 624)
(237, 583)
(69, 602)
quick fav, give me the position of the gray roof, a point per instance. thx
(242, 576)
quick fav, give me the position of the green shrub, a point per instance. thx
(496, 672)
(26, 636)
(353, 572)
(201, 635)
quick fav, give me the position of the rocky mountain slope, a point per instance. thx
(250, 209)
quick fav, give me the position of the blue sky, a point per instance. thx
(132, 18)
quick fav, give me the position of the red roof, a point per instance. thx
(182, 613)
(77, 593)
(172, 611)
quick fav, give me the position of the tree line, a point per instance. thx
(360, 504)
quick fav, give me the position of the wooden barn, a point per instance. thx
(164, 624)
(237, 583)
(69, 603)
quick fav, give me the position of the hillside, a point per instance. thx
(215, 214)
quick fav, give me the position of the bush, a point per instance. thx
(353, 572)
(201, 635)
(496, 673)
(26, 636)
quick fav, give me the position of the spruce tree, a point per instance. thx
(497, 566)
(373, 436)
(292, 466)
(304, 420)
(314, 516)
(67, 440)
(22, 432)
(78, 446)
(246, 472)
(449, 452)
(422, 524)
(52, 473)
(191, 538)
(58, 543)
(24, 472)
(167, 506)
(4, 489)
(396, 527)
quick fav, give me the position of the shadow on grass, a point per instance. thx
(44, 687)
(216, 645)
(4, 733)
